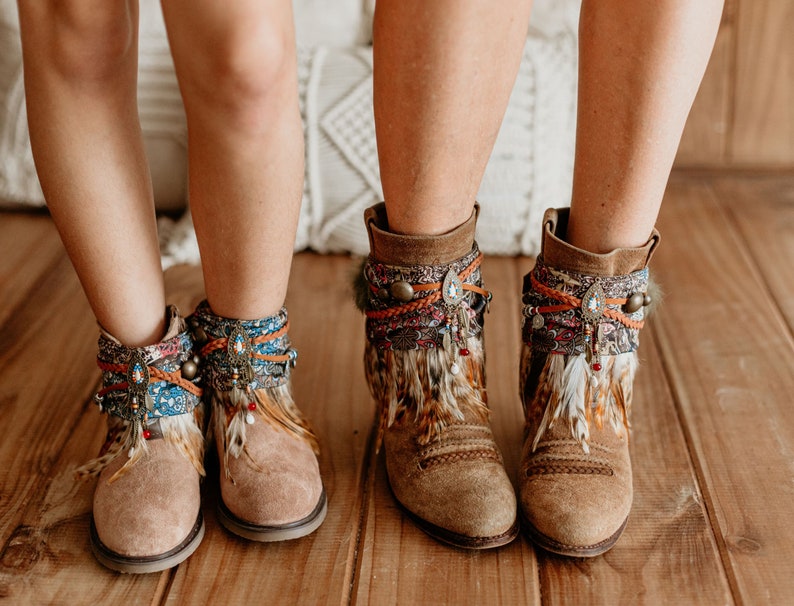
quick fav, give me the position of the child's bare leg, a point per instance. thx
(80, 61)
(640, 66)
(237, 72)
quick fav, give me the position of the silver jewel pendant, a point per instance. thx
(452, 289)
(594, 302)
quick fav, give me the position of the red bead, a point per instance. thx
(252, 406)
(596, 366)
(147, 434)
(464, 352)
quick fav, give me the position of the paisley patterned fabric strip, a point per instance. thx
(562, 332)
(423, 327)
(166, 399)
(217, 369)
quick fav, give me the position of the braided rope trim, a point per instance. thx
(264, 358)
(430, 299)
(571, 302)
(223, 343)
(165, 393)
(169, 377)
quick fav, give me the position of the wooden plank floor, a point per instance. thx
(713, 438)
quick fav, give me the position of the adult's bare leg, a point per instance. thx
(443, 75)
(640, 66)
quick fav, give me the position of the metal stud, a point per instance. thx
(402, 291)
(646, 300)
(383, 294)
(189, 370)
(634, 303)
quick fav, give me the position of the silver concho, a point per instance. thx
(452, 289)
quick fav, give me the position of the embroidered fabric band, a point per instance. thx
(244, 353)
(570, 313)
(146, 382)
(425, 306)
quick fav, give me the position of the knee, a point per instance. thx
(245, 76)
(84, 40)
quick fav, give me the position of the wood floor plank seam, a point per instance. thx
(708, 477)
(366, 479)
(697, 471)
(755, 262)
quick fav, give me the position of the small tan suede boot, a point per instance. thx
(582, 316)
(270, 480)
(147, 514)
(425, 364)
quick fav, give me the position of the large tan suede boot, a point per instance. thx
(147, 514)
(424, 359)
(270, 480)
(582, 316)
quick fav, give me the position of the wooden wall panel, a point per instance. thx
(763, 126)
(743, 115)
(705, 138)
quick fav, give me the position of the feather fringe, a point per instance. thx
(126, 439)
(274, 405)
(421, 383)
(569, 391)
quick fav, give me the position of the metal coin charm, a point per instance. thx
(402, 291)
(537, 321)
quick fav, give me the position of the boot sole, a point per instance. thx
(580, 551)
(145, 564)
(461, 541)
(277, 532)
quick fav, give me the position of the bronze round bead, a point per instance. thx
(189, 370)
(383, 294)
(647, 300)
(199, 335)
(634, 303)
(197, 359)
(402, 291)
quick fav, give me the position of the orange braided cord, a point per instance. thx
(430, 299)
(572, 302)
(224, 342)
(161, 375)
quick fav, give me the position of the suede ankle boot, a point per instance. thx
(270, 480)
(424, 361)
(147, 514)
(582, 315)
